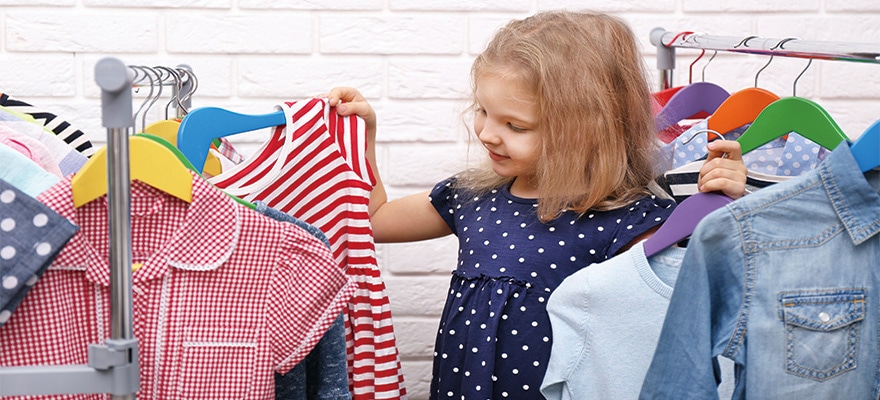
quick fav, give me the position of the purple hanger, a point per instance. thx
(691, 99)
(683, 220)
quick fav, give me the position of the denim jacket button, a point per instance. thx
(824, 317)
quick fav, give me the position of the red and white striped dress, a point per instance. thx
(315, 169)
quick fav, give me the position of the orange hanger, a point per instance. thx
(742, 107)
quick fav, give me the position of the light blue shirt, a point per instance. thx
(606, 320)
(784, 282)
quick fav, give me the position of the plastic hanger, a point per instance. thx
(150, 163)
(866, 149)
(683, 220)
(691, 99)
(188, 164)
(203, 125)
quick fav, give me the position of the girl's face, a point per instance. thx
(506, 122)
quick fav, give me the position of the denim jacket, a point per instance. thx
(783, 282)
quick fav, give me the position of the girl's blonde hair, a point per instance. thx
(589, 81)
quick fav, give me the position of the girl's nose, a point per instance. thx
(488, 133)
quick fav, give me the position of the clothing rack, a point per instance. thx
(667, 41)
(112, 367)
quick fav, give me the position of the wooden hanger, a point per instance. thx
(683, 220)
(203, 125)
(689, 100)
(150, 163)
(189, 165)
(741, 108)
(792, 114)
(167, 129)
(866, 149)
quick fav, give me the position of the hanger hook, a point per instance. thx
(177, 83)
(703, 74)
(182, 110)
(154, 99)
(678, 35)
(780, 43)
(692, 136)
(691, 67)
(149, 95)
(794, 85)
(745, 41)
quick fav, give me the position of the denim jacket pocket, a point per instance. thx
(822, 331)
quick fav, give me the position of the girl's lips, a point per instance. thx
(495, 156)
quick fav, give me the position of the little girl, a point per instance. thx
(562, 107)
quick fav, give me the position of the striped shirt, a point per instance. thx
(315, 168)
(72, 136)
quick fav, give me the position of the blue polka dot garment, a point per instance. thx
(494, 338)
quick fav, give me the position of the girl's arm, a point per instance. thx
(407, 219)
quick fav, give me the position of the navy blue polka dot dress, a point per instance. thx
(494, 338)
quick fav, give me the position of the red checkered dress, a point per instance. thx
(315, 169)
(224, 298)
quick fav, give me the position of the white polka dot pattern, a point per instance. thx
(791, 156)
(30, 236)
(495, 320)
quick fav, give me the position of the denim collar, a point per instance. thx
(854, 199)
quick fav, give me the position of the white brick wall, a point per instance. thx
(411, 58)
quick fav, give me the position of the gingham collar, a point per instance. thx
(205, 238)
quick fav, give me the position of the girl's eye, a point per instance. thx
(515, 128)
(479, 110)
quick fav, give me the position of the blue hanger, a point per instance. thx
(201, 126)
(792, 114)
(690, 100)
(683, 220)
(866, 149)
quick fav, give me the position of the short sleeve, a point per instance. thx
(309, 291)
(446, 201)
(638, 218)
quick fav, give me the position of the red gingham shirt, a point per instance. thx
(225, 296)
(315, 169)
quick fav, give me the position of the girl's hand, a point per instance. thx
(724, 174)
(350, 101)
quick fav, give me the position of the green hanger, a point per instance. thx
(792, 114)
(190, 166)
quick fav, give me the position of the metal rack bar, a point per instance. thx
(667, 41)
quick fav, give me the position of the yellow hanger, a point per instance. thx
(150, 163)
(167, 129)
